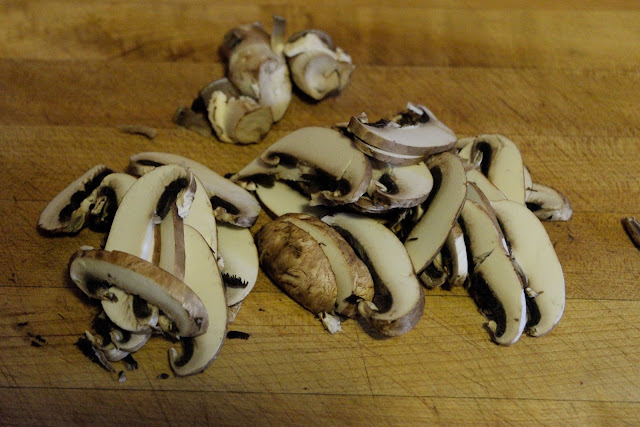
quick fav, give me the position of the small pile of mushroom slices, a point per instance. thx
(448, 211)
(178, 260)
(242, 107)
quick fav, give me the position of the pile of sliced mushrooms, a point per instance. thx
(256, 93)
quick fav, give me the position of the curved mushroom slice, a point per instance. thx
(398, 303)
(632, 228)
(104, 201)
(123, 340)
(240, 257)
(94, 270)
(495, 285)
(528, 183)
(202, 277)
(532, 251)
(280, 199)
(455, 257)
(129, 312)
(396, 187)
(235, 118)
(353, 280)
(296, 263)
(488, 189)
(387, 156)
(323, 162)
(477, 196)
(317, 68)
(443, 208)
(548, 204)
(62, 214)
(415, 131)
(502, 164)
(434, 275)
(255, 69)
(105, 350)
(231, 203)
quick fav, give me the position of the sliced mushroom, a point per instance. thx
(434, 275)
(62, 214)
(398, 303)
(295, 262)
(396, 187)
(415, 131)
(94, 270)
(387, 156)
(502, 164)
(495, 284)
(279, 198)
(203, 278)
(323, 162)
(123, 340)
(240, 256)
(353, 280)
(488, 189)
(255, 69)
(105, 349)
(533, 252)
(442, 210)
(235, 118)
(129, 312)
(528, 183)
(476, 195)
(317, 68)
(231, 203)
(455, 257)
(548, 204)
(632, 228)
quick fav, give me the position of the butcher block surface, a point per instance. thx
(560, 79)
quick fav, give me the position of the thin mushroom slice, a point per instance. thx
(548, 204)
(279, 198)
(632, 228)
(123, 340)
(129, 312)
(240, 257)
(387, 156)
(502, 164)
(455, 257)
(415, 131)
(488, 189)
(95, 269)
(230, 202)
(353, 280)
(203, 278)
(495, 285)
(434, 275)
(477, 196)
(317, 68)
(62, 214)
(533, 252)
(443, 207)
(323, 162)
(398, 303)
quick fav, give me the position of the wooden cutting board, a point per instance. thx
(560, 80)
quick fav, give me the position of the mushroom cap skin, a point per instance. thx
(202, 276)
(533, 251)
(295, 262)
(502, 164)
(443, 207)
(548, 204)
(496, 286)
(398, 303)
(353, 280)
(60, 216)
(422, 134)
(231, 203)
(93, 269)
(240, 255)
(324, 162)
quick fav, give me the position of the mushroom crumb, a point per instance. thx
(121, 377)
(163, 376)
(145, 131)
(232, 335)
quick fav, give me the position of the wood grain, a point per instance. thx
(559, 78)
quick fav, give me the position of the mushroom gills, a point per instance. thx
(398, 303)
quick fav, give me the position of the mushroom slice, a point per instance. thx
(231, 203)
(548, 204)
(476, 195)
(434, 275)
(104, 201)
(63, 213)
(398, 303)
(203, 278)
(235, 118)
(129, 312)
(353, 280)
(105, 350)
(255, 69)
(387, 156)
(502, 164)
(532, 251)
(317, 68)
(488, 189)
(296, 263)
(397, 186)
(123, 340)
(495, 284)
(240, 257)
(415, 131)
(455, 257)
(94, 270)
(528, 183)
(632, 228)
(280, 198)
(323, 162)
(442, 210)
